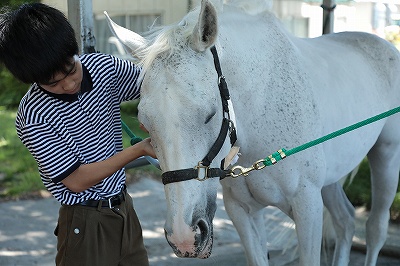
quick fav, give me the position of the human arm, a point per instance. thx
(87, 175)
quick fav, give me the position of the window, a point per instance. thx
(105, 40)
(297, 25)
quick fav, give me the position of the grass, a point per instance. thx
(19, 177)
(18, 169)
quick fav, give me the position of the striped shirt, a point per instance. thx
(64, 131)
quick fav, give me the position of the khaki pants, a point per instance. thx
(91, 236)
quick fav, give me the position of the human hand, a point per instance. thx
(147, 147)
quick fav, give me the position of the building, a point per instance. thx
(137, 15)
(304, 18)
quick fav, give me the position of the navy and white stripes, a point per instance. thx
(62, 133)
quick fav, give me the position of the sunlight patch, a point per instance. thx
(140, 194)
(159, 232)
(3, 142)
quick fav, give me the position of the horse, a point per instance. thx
(271, 90)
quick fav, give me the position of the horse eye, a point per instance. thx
(209, 118)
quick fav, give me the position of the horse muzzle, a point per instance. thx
(197, 242)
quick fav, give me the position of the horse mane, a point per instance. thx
(166, 40)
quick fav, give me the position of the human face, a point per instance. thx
(69, 83)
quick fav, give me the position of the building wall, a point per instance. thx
(138, 15)
(305, 19)
(171, 10)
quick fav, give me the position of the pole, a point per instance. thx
(328, 6)
(80, 15)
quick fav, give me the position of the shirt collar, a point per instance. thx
(86, 86)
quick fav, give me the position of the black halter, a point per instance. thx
(227, 125)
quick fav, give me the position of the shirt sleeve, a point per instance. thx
(127, 79)
(53, 154)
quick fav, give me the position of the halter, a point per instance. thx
(203, 171)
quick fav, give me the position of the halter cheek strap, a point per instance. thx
(202, 171)
(216, 147)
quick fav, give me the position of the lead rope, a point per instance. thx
(134, 139)
(283, 153)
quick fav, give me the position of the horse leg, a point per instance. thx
(248, 230)
(307, 213)
(384, 166)
(342, 213)
(259, 222)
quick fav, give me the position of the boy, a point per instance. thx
(70, 122)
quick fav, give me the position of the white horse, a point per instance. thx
(285, 92)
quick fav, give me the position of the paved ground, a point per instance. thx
(26, 233)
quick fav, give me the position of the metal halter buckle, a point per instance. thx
(199, 167)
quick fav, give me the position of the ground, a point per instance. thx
(26, 232)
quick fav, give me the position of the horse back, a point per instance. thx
(307, 88)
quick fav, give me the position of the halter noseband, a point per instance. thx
(227, 125)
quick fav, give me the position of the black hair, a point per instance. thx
(36, 42)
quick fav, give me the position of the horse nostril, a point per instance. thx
(201, 230)
(198, 230)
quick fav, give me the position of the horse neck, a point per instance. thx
(264, 73)
(269, 44)
(264, 30)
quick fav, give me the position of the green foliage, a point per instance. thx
(395, 209)
(128, 115)
(11, 90)
(18, 169)
(359, 191)
(130, 108)
(392, 34)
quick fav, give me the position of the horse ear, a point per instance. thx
(205, 32)
(130, 40)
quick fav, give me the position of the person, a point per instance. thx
(69, 120)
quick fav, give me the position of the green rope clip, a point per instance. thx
(134, 139)
(275, 157)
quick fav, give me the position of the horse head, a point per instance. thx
(181, 108)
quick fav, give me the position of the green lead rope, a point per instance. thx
(283, 153)
(134, 139)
